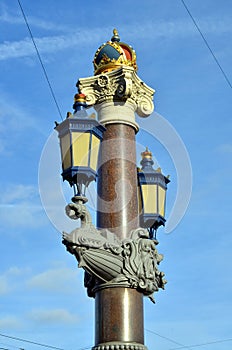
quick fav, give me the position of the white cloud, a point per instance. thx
(18, 192)
(15, 118)
(14, 121)
(10, 278)
(16, 18)
(48, 44)
(9, 322)
(4, 286)
(225, 148)
(20, 206)
(54, 280)
(53, 316)
(148, 30)
(22, 215)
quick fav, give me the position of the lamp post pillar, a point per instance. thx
(117, 208)
(119, 258)
(118, 310)
(116, 96)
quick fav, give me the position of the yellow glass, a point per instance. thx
(65, 151)
(149, 198)
(94, 152)
(161, 200)
(80, 145)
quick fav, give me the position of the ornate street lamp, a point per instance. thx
(80, 136)
(118, 256)
(152, 194)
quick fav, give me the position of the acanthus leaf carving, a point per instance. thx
(118, 86)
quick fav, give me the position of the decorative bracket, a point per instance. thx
(109, 262)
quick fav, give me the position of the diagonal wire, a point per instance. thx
(31, 342)
(40, 59)
(36, 343)
(206, 43)
(202, 344)
(169, 339)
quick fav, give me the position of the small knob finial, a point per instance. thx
(115, 37)
(146, 154)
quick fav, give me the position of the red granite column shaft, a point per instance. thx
(118, 311)
(119, 316)
(117, 183)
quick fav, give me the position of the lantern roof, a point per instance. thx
(114, 54)
(147, 171)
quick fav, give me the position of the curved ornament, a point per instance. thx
(145, 106)
(110, 262)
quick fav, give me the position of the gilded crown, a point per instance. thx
(114, 54)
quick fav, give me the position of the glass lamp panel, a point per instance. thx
(161, 200)
(149, 198)
(65, 151)
(94, 152)
(80, 146)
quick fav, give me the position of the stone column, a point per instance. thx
(117, 181)
(117, 96)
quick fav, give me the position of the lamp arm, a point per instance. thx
(77, 211)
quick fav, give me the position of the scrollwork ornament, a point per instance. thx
(90, 98)
(132, 262)
(118, 85)
(145, 106)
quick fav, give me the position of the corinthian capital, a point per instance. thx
(118, 86)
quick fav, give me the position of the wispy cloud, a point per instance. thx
(20, 205)
(53, 316)
(225, 148)
(4, 286)
(54, 280)
(9, 322)
(8, 279)
(15, 120)
(15, 193)
(148, 30)
(15, 18)
(47, 44)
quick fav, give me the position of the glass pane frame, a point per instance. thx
(152, 186)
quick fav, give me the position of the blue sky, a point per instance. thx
(42, 297)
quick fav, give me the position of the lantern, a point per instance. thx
(152, 186)
(80, 136)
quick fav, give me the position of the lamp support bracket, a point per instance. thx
(109, 262)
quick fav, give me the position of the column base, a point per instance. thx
(119, 346)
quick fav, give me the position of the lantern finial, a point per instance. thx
(146, 154)
(147, 160)
(80, 105)
(115, 37)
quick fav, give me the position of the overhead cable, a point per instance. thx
(207, 44)
(169, 339)
(203, 344)
(39, 344)
(32, 342)
(40, 59)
